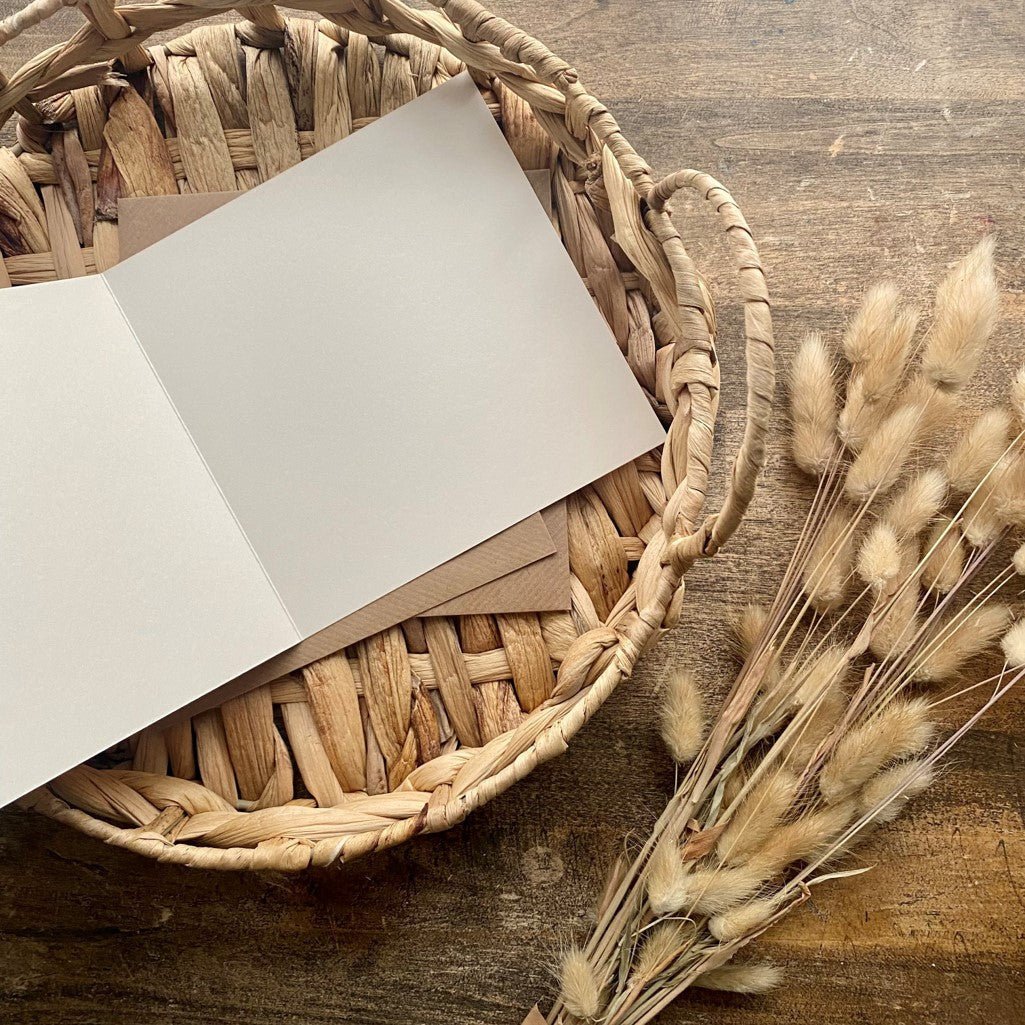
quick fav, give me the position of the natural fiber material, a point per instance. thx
(410, 730)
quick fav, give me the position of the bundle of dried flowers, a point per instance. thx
(894, 586)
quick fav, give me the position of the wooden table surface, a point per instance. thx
(863, 139)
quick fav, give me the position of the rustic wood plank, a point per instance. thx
(862, 139)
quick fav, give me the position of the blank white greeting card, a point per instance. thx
(288, 409)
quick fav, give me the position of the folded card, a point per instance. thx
(481, 580)
(524, 568)
(261, 424)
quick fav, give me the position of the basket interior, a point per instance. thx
(409, 729)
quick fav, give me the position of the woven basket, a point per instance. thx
(409, 731)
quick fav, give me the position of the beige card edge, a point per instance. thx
(515, 547)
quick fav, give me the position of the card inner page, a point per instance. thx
(127, 586)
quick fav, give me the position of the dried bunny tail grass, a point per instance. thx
(899, 729)
(682, 717)
(828, 568)
(742, 920)
(1009, 491)
(713, 891)
(813, 406)
(939, 408)
(875, 382)
(811, 727)
(751, 979)
(998, 501)
(757, 816)
(896, 627)
(882, 459)
(871, 323)
(806, 685)
(887, 793)
(661, 945)
(1018, 560)
(734, 785)
(967, 308)
(980, 524)
(821, 674)
(667, 882)
(916, 505)
(945, 557)
(580, 990)
(748, 627)
(858, 417)
(1013, 645)
(806, 838)
(883, 371)
(977, 450)
(879, 557)
(948, 644)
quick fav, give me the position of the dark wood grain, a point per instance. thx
(863, 139)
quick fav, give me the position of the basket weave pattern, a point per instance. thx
(410, 730)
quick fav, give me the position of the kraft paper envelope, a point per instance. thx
(266, 421)
(543, 586)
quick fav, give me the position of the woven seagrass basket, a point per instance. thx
(409, 731)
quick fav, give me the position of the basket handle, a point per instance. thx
(683, 550)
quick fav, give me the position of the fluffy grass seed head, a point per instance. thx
(950, 642)
(876, 380)
(915, 506)
(897, 626)
(748, 628)
(944, 557)
(887, 793)
(821, 674)
(899, 729)
(828, 568)
(662, 943)
(881, 461)
(795, 687)
(682, 717)
(1013, 645)
(858, 416)
(579, 989)
(883, 371)
(667, 882)
(977, 450)
(822, 705)
(879, 557)
(1009, 491)
(967, 309)
(1018, 560)
(751, 979)
(873, 321)
(813, 406)
(979, 520)
(713, 891)
(742, 920)
(806, 838)
(757, 816)
(1016, 396)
